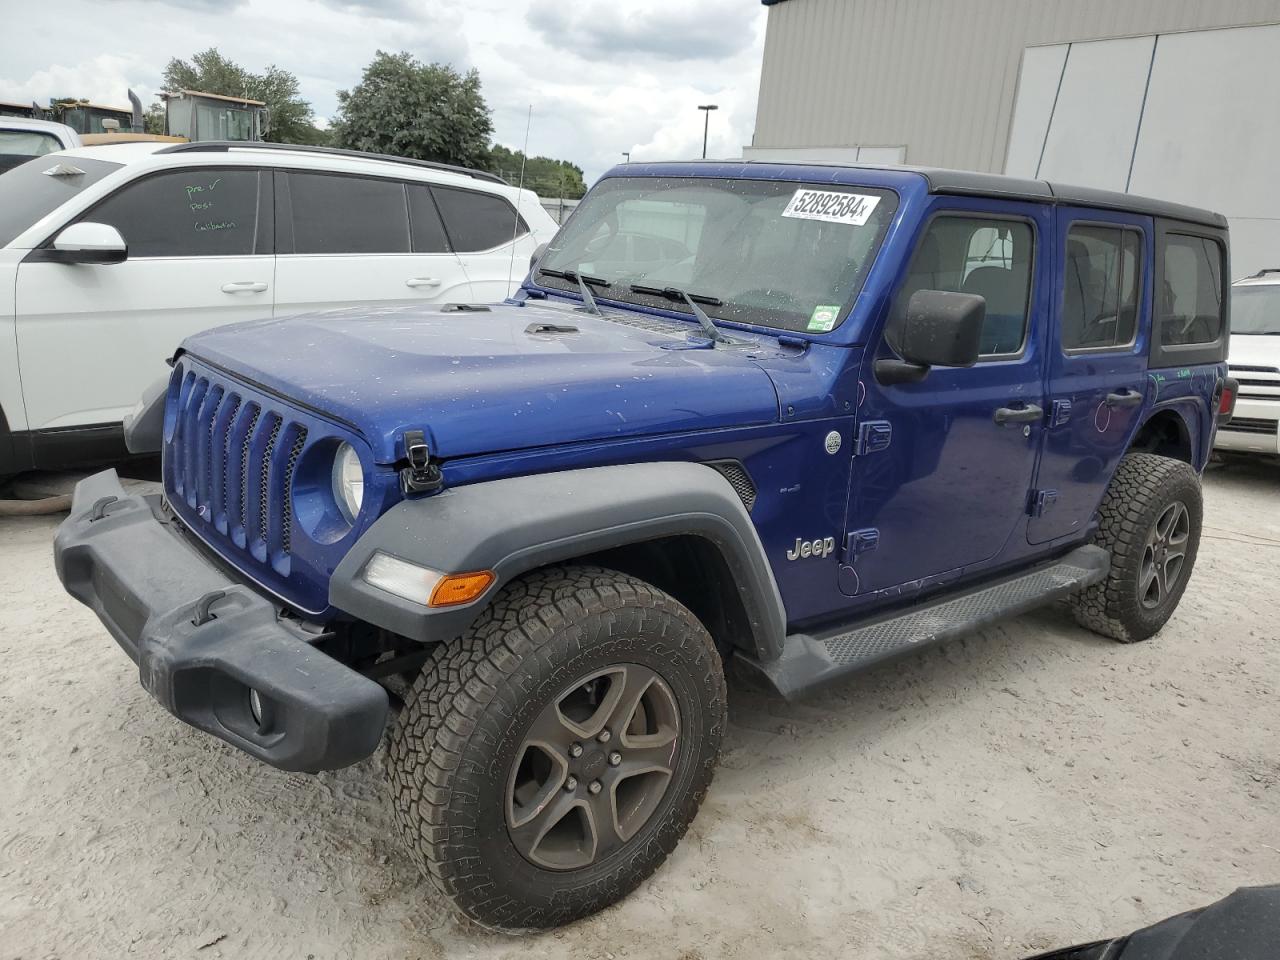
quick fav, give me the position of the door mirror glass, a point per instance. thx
(942, 329)
(89, 242)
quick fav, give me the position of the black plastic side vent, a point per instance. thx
(739, 479)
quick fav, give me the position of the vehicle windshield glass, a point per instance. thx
(771, 253)
(27, 143)
(28, 193)
(1256, 309)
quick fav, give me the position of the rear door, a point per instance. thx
(346, 240)
(492, 239)
(92, 337)
(1097, 364)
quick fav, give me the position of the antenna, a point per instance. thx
(515, 223)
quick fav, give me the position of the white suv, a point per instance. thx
(1254, 359)
(110, 256)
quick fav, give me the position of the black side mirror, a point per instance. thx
(538, 251)
(941, 328)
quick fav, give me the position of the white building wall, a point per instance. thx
(938, 76)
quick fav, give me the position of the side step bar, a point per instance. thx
(809, 662)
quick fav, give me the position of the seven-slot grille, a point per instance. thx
(232, 461)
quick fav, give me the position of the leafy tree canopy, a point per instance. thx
(548, 178)
(211, 72)
(427, 111)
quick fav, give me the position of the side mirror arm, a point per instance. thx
(891, 370)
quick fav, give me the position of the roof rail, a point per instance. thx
(1263, 272)
(223, 146)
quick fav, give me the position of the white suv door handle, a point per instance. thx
(423, 282)
(244, 286)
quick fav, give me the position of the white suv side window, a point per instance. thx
(199, 212)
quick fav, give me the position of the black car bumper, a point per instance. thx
(203, 641)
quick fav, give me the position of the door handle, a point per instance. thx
(423, 282)
(1028, 414)
(244, 286)
(1124, 398)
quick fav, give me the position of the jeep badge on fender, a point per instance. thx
(812, 548)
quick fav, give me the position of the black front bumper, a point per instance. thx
(131, 562)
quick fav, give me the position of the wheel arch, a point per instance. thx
(1166, 433)
(679, 526)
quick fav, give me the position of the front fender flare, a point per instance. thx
(518, 524)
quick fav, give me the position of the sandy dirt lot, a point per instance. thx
(1026, 787)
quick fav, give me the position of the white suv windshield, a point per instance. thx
(29, 192)
(1256, 309)
(772, 253)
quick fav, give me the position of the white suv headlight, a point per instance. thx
(348, 482)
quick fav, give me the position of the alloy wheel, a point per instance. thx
(1164, 556)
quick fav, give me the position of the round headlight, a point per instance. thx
(348, 482)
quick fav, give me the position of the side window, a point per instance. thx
(1189, 308)
(426, 225)
(1101, 284)
(981, 256)
(340, 214)
(478, 221)
(200, 212)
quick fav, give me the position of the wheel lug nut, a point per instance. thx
(571, 784)
(595, 786)
(604, 736)
(615, 758)
(575, 751)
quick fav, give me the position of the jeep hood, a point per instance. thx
(488, 381)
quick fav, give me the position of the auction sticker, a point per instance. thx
(823, 319)
(831, 206)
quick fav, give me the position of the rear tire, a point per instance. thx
(525, 783)
(1150, 523)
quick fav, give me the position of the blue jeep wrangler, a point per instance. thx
(800, 419)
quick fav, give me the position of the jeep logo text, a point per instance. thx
(812, 548)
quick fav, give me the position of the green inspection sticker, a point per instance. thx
(823, 318)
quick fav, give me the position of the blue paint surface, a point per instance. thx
(948, 495)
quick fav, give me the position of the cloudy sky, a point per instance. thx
(603, 76)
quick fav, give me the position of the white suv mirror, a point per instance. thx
(88, 243)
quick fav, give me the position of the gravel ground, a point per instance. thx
(1028, 786)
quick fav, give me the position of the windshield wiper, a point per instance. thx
(585, 283)
(709, 328)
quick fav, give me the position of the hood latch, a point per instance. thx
(421, 475)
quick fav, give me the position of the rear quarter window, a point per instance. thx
(478, 221)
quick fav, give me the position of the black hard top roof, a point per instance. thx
(972, 183)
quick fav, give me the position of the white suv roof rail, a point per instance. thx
(222, 146)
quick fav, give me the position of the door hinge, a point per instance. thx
(1041, 502)
(421, 475)
(858, 542)
(874, 436)
(1060, 413)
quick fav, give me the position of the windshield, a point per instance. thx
(28, 193)
(27, 143)
(1256, 309)
(765, 252)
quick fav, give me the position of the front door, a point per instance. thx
(1097, 364)
(944, 466)
(93, 337)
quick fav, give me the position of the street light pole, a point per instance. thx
(706, 124)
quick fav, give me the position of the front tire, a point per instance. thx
(1150, 523)
(548, 761)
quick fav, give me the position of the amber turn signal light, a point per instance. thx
(459, 588)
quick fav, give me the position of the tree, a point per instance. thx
(545, 176)
(210, 72)
(406, 108)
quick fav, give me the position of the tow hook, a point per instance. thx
(421, 475)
